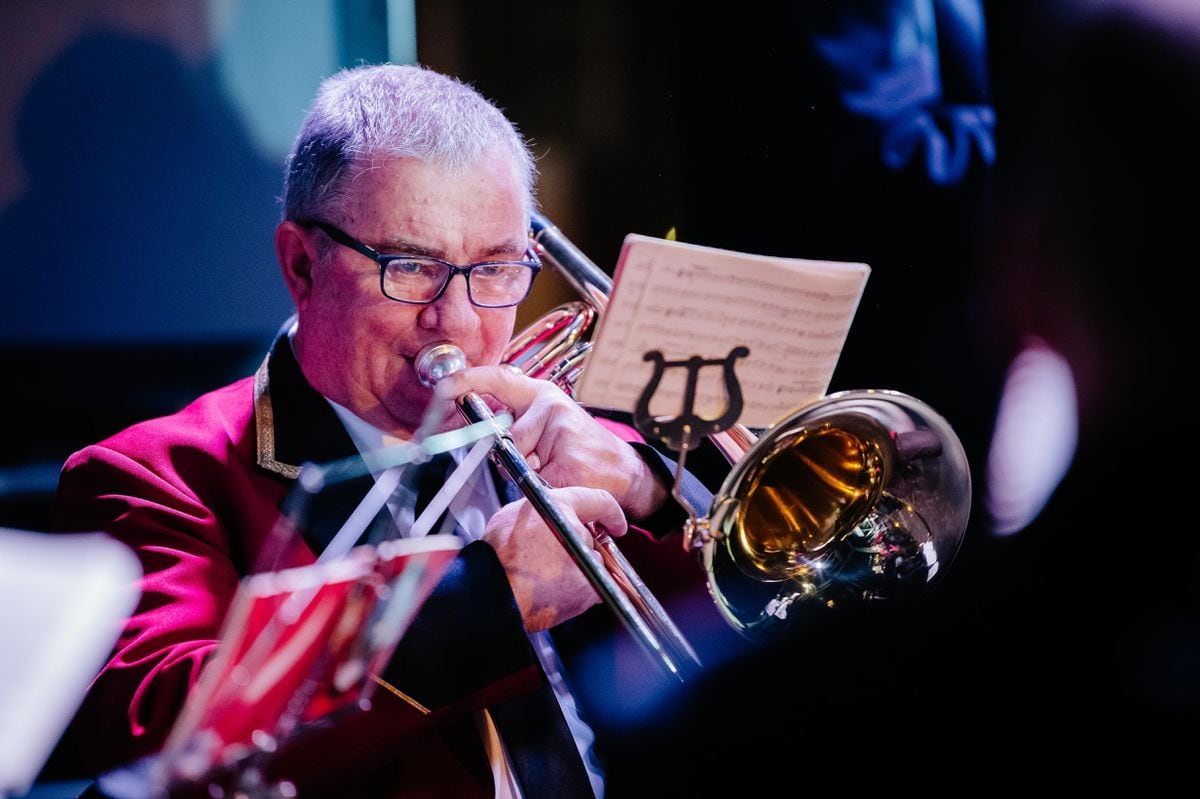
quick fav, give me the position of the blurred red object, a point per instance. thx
(298, 649)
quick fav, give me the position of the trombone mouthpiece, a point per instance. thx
(437, 361)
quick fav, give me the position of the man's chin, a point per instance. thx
(453, 421)
(405, 418)
(440, 416)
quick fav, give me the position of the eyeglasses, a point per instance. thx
(422, 279)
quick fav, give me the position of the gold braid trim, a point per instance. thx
(400, 694)
(264, 424)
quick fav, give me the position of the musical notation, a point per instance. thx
(686, 300)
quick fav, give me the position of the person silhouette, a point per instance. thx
(146, 207)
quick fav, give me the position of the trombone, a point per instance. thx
(616, 582)
(861, 496)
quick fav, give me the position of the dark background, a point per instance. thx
(1070, 646)
(716, 120)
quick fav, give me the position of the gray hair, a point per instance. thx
(398, 111)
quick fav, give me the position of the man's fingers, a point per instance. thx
(516, 391)
(594, 506)
(510, 390)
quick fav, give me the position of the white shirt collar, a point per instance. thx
(472, 507)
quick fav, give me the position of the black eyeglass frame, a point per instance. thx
(339, 236)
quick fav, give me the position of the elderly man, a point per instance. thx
(408, 200)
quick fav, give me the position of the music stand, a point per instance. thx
(297, 653)
(301, 648)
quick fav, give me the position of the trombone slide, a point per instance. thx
(616, 582)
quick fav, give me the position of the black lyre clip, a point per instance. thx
(684, 431)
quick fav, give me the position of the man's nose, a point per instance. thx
(453, 312)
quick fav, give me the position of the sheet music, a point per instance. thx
(63, 601)
(686, 300)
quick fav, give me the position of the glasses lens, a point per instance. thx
(413, 279)
(500, 284)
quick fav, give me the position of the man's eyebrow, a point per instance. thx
(406, 247)
(400, 246)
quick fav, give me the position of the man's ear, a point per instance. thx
(297, 254)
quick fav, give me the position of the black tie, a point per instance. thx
(427, 479)
(532, 726)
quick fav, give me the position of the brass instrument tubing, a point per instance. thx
(664, 644)
(588, 280)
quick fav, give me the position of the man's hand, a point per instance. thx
(549, 585)
(560, 441)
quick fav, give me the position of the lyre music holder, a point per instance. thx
(685, 431)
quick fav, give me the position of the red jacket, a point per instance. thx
(197, 496)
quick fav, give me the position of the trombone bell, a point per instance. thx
(861, 496)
